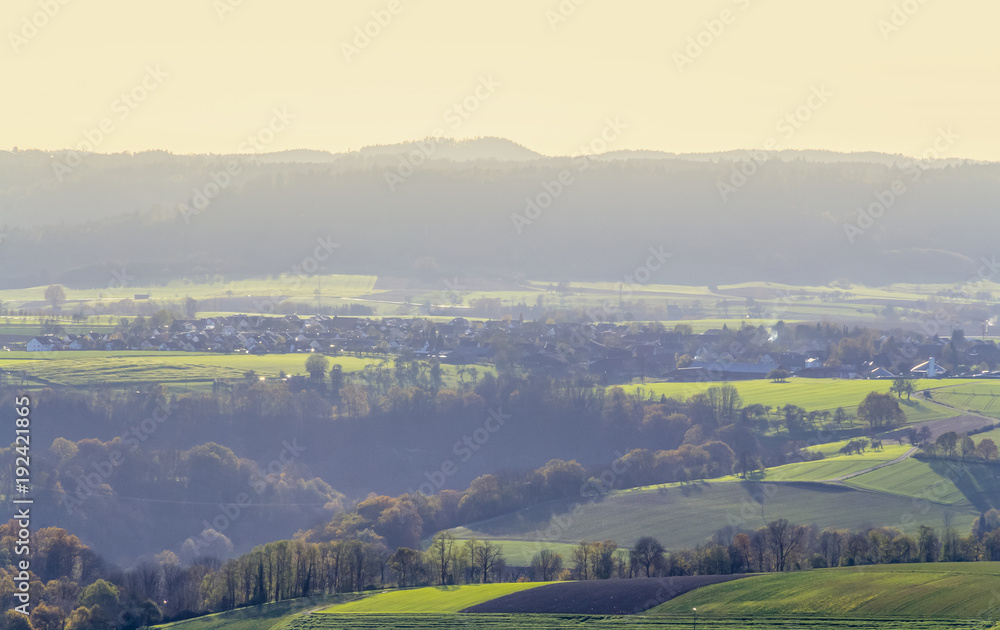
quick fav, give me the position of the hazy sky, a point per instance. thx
(853, 75)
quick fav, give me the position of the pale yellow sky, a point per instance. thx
(849, 78)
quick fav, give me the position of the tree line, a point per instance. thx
(74, 589)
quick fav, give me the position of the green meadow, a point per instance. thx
(811, 394)
(962, 485)
(286, 286)
(263, 617)
(575, 622)
(180, 371)
(915, 591)
(835, 467)
(685, 515)
(977, 396)
(430, 599)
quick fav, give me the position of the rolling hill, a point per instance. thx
(916, 591)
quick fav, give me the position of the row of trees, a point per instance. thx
(73, 589)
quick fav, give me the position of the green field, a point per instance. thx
(916, 591)
(811, 394)
(993, 434)
(431, 599)
(982, 397)
(262, 617)
(686, 515)
(716, 305)
(969, 485)
(333, 285)
(835, 467)
(575, 622)
(519, 553)
(193, 371)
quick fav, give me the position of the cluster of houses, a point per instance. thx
(608, 351)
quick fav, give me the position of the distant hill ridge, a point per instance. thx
(503, 149)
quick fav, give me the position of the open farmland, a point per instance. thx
(981, 397)
(431, 599)
(216, 288)
(837, 466)
(388, 296)
(685, 515)
(598, 597)
(960, 484)
(810, 394)
(915, 591)
(519, 553)
(263, 617)
(574, 622)
(179, 370)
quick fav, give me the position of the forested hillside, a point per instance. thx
(161, 215)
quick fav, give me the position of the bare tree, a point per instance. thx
(784, 539)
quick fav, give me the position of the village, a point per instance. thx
(609, 352)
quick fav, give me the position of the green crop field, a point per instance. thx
(917, 591)
(685, 515)
(83, 367)
(431, 599)
(981, 397)
(575, 622)
(519, 553)
(993, 434)
(290, 286)
(812, 394)
(834, 467)
(960, 484)
(179, 370)
(263, 617)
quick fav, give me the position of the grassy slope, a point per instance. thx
(970, 485)
(919, 591)
(834, 467)
(981, 397)
(332, 285)
(77, 368)
(575, 622)
(258, 617)
(903, 495)
(685, 516)
(519, 553)
(810, 394)
(432, 599)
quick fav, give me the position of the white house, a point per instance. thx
(39, 344)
